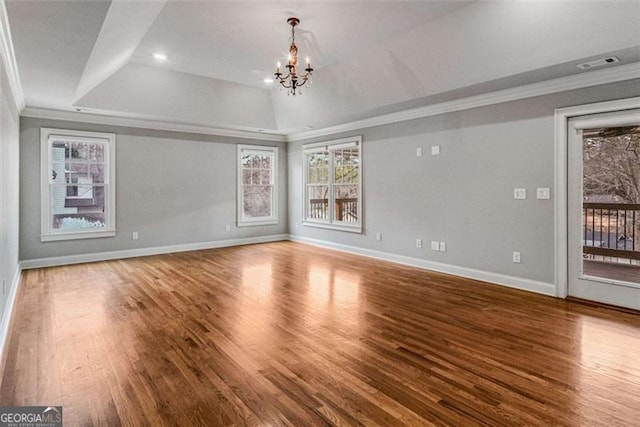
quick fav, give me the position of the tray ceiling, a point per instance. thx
(370, 57)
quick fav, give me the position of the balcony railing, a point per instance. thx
(346, 210)
(611, 230)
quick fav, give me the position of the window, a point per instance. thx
(77, 184)
(333, 184)
(257, 189)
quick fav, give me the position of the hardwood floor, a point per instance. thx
(290, 334)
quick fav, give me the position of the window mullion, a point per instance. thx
(331, 186)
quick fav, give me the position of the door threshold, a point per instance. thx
(602, 305)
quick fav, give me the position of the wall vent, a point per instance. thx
(598, 63)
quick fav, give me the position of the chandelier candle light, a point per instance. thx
(293, 81)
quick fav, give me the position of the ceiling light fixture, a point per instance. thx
(160, 56)
(293, 81)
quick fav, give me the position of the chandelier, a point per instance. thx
(293, 80)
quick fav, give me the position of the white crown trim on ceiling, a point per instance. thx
(9, 58)
(146, 122)
(561, 84)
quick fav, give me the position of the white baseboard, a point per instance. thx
(6, 318)
(485, 276)
(157, 250)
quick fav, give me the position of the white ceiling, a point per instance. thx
(234, 40)
(370, 57)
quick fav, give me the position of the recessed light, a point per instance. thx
(268, 80)
(160, 56)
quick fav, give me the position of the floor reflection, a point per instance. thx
(606, 350)
(336, 294)
(254, 311)
(333, 287)
(257, 280)
(622, 346)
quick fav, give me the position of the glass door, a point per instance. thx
(604, 208)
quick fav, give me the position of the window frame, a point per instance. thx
(48, 234)
(273, 219)
(331, 147)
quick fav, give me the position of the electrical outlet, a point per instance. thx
(516, 257)
(443, 247)
(379, 236)
(544, 193)
(227, 228)
(435, 246)
(418, 243)
(134, 235)
(520, 193)
(419, 151)
(435, 150)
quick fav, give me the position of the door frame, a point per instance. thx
(561, 208)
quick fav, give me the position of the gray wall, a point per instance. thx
(9, 176)
(172, 188)
(464, 196)
(180, 188)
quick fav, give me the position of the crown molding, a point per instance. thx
(146, 122)
(9, 58)
(562, 84)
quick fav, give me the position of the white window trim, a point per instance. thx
(251, 222)
(354, 141)
(47, 232)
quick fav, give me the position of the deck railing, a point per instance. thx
(611, 230)
(346, 210)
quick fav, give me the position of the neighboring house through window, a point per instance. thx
(333, 184)
(257, 188)
(77, 184)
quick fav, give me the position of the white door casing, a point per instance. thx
(562, 117)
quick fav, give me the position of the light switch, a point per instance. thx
(435, 150)
(544, 193)
(419, 151)
(520, 193)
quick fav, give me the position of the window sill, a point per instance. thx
(338, 227)
(77, 235)
(256, 223)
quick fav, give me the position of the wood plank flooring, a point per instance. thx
(290, 334)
